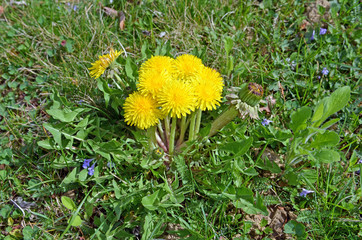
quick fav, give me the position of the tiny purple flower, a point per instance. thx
(322, 31)
(319, 77)
(91, 169)
(312, 37)
(110, 85)
(87, 162)
(266, 122)
(325, 71)
(75, 8)
(305, 192)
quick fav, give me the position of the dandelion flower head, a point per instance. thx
(208, 89)
(187, 67)
(177, 98)
(141, 111)
(157, 63)
(151, 81)
(99, 66)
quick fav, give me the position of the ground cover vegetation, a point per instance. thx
(110, 128)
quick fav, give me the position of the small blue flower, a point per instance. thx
(325, 71)
(322, 31)
(110, 85)
(91, 169)
(305, 192)
(75, 8)
(312, 37)
(87, 162)
(266, 122)
(319, 77)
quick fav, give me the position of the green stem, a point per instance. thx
(220, 122)
(162, 133)
(182, 130)
(198, 121)
(152, 143)
(172, 137)
(192, 126)
(119, 80)
(167, 128)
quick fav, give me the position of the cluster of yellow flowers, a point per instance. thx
(172, 87)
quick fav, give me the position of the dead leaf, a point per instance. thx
(110, 12)
(304, 25)
(122, 19)
(1, 10)
(281, 90)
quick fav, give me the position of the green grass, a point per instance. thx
(210, 192)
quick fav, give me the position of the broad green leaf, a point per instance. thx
(299, 118)
(83, 175)
(117, 191)
(298, 229)
(29, 232)
(326, 156)
(260, 205)
(268, 165)
(57, 135)
(65, 115)
(292, 178)
(151, 201)
(329, 123)
(46, 144)
(327, 138)
(88, 207)
(318, 111)
(71, 177)
(76, 221)
(332, 104)
(238, 148)
(128, 68)
(103, 87)
(68, 203)
(250, 172)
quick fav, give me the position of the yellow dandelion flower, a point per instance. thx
(177, 98)
(187, 66)
(141, 111)
(99, 66)
(151, 82)
(208, 89)
(158, 64)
